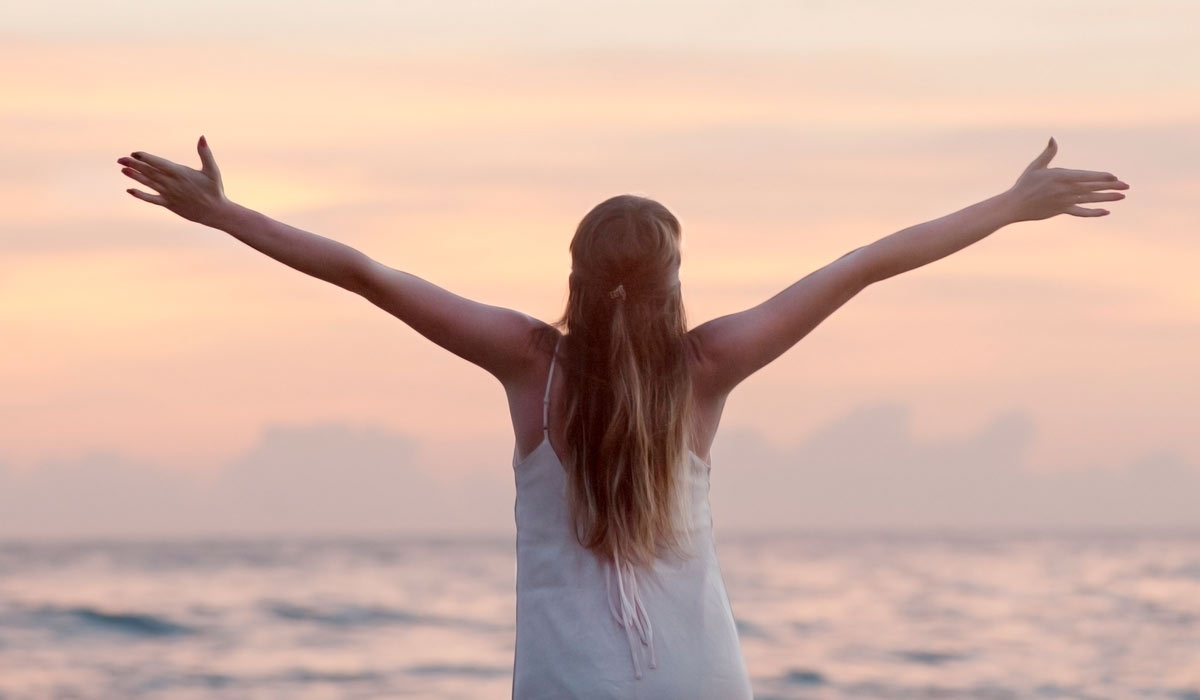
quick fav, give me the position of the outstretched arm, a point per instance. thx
(494, 338)
(733, 347)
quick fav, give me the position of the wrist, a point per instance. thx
(224, 215)
(1008, 207)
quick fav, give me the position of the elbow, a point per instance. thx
(359, 277)
(867, 265)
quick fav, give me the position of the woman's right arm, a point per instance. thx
(733, 347)
(493, 337)
(497, 339)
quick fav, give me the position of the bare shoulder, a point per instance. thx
(538, 351)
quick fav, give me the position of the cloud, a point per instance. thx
(101, 493)
(326, 479)
(867, 471)
(864, 471)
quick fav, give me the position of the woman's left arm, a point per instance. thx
(1039, 193)
(733, 347)
(495, 338)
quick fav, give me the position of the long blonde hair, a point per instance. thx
(627, 381)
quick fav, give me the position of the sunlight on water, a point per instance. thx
(824, 617)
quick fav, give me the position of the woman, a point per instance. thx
(618, 590)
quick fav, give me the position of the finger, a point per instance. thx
(209, 164)
(1045, 157)
(1098, 197)
(162, 164)
(146, 174)
(146, 170)
(1086, 175)
(141, 166)
(1112, 185)
(1081, 211)
(152, 198)
(141, 178)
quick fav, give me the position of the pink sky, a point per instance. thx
(467, 152)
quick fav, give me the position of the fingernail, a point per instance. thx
(136, 155)
(202, 141)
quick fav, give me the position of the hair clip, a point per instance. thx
(619, 292)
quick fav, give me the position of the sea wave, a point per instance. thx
(86, 619)
(353, 615)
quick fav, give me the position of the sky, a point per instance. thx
(160, 377)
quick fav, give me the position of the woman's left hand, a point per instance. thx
(196, 195)
(1042, 192)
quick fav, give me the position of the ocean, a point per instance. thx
(821, 616)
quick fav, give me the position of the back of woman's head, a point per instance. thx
(627, 380)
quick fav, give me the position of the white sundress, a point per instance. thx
(587, 628)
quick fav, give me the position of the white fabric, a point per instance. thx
(590, 628)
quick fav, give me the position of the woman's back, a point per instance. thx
(590, 628)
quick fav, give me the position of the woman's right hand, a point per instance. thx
(196, 195)
(1042, 192)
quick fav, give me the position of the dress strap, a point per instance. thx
(546, 398)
